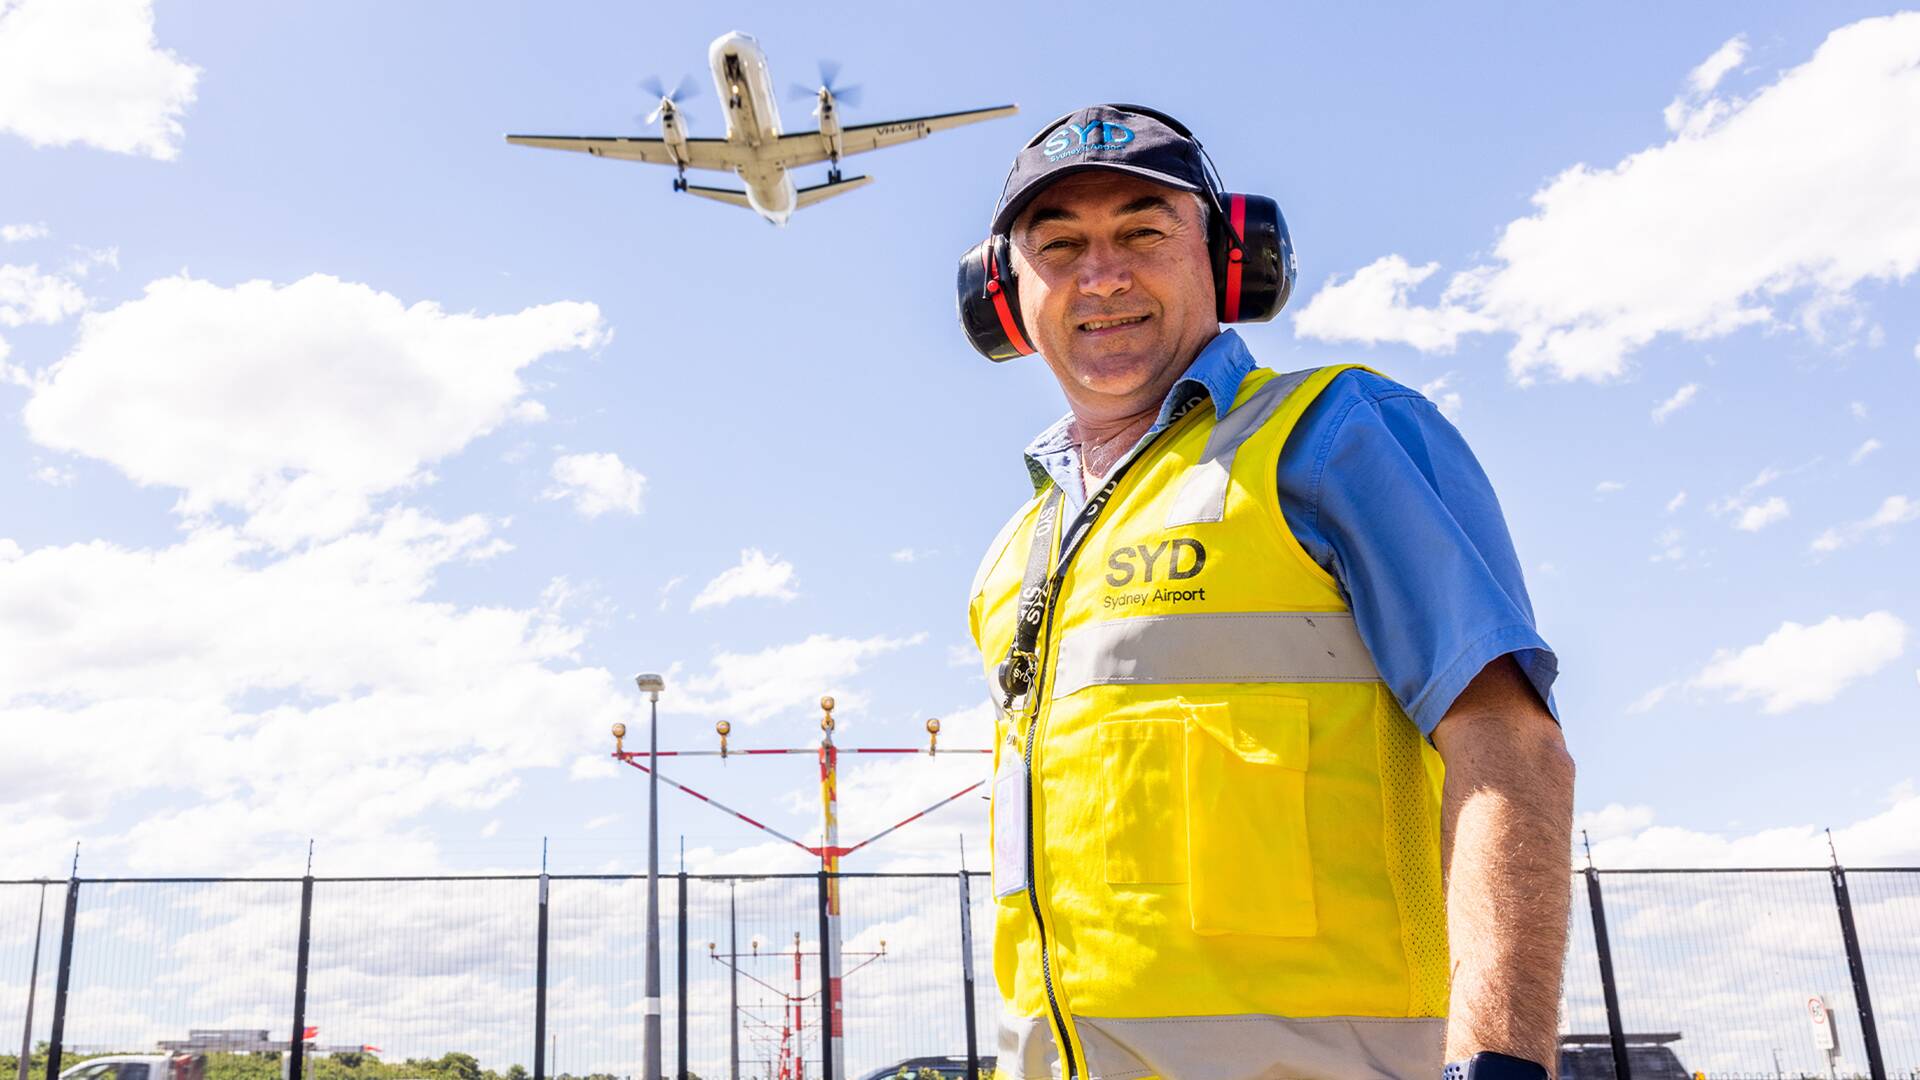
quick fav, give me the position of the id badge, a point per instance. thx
(1010, 823)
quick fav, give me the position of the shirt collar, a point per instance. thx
(1215, 373)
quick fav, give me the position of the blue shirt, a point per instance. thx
(1385, 495)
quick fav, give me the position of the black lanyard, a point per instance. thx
(1020, 670)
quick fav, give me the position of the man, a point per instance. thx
(1279, 789)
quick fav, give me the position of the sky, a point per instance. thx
(353, 460)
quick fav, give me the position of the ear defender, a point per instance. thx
(1252, 277)
(989, 306)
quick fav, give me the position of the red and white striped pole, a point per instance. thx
(830, 862)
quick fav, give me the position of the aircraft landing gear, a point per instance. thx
(833, 172)
(680, 182)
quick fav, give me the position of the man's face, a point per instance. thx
(1116, 287)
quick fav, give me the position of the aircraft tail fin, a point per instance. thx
(819, 192)
(725, 195)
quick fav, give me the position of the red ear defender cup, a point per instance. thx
(989, 302)
(1252, 278)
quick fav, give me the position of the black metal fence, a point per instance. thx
(1724, 972)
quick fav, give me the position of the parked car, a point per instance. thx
(949, 1067)
(1650, 1057)
(139, 1067)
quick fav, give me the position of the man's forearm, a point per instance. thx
(1506, 819)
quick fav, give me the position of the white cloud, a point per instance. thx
(91, 71)
(1685, 237)
(1888, 838)
(596, 484)
(1440, 391)
(54, 475)
(1756, 517)
(1679, 500)
(297, 403)
(1860, 453)
(1373, 306)
(83, 263)
(750, 687)
(1805, 665)
(666, 590)
(14, 234)
(1615, 819)
(1749, 516)
(912, 555)
(756, 575)
(1670, 548)
(1894, 510)
(600, 822)
(29, 296)
(1859, 408)
(1703, 79)
(243, 729)
(1608, 487)
(592, 767)
(1681, 399)
(1647, 701)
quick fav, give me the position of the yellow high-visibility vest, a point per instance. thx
(1216, 833)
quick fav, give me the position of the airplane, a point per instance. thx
(755, 149)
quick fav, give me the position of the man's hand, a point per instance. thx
(1506, 821)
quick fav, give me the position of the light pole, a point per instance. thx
(733, 989)
(651, 685)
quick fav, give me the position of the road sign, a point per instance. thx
(1822, 1018)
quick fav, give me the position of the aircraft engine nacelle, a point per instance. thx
(673, 130)
(828, 113)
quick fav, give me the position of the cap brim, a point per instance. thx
(1003, 220)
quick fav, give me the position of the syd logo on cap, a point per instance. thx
(1071, 139)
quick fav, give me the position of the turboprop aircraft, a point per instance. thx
(755, 149)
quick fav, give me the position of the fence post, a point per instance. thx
(540, 987)
(681, 1009)
(61, 983)
(33, 983)
(297, 1046)
(966, 977)
(1869, 1033)
(826, 993)
(1615, 1035)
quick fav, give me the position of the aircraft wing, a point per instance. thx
(716, 154)
(808, 147)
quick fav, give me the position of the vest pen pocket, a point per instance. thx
(1143, 800)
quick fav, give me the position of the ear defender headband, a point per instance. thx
(1247, 240)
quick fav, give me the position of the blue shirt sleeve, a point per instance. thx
(1383, 492)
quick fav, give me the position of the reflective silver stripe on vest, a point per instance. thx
(1203, 491)
(1249, 647)
(1242, 1047)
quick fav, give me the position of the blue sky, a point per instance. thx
(353, 460)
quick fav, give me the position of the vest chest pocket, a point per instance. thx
(1249, 870)
(1143, 801)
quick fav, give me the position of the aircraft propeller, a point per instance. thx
(684, 90)
(829, 74)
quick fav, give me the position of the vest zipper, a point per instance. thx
(1070, 1067)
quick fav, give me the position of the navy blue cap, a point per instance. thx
(1122, 138)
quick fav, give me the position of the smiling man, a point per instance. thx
(1279, 787)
